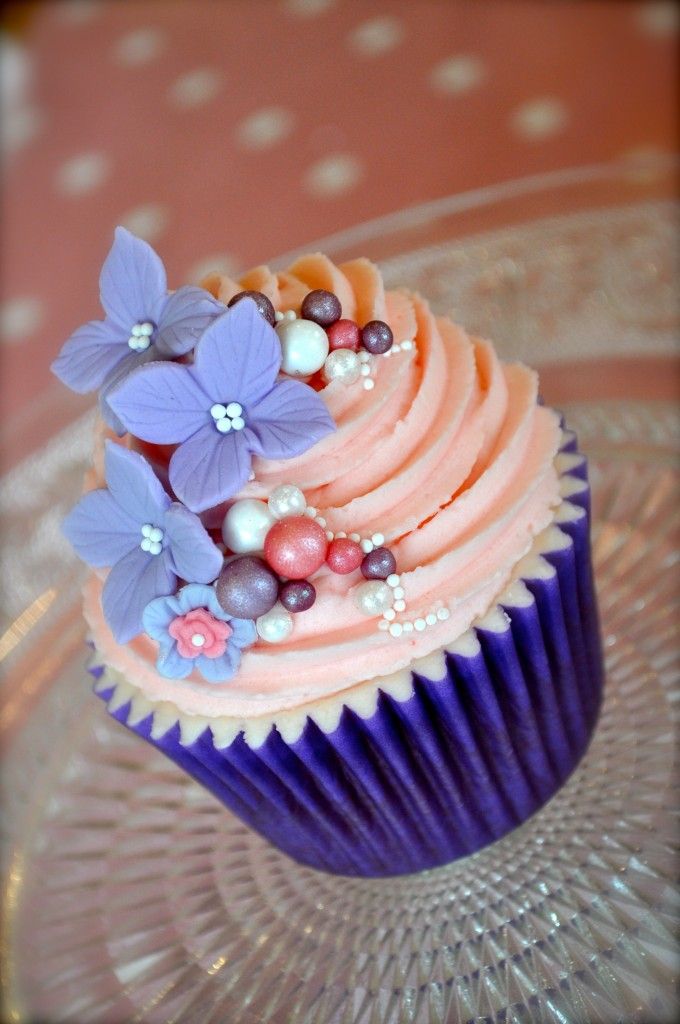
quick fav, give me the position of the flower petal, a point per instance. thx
(134, 485)
(131, 584)
(209, 468)
(100, 530)
(287, 421)
(219, 670)
(244, 632)
(89, 355)
(194, 556)
(132, 283)
(161, 403)
(171, 664)
(158, 616)
(186, 314)
(238, 356)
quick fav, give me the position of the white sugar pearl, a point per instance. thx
(290, 314)
(407, 345)
(311, 511)
(329, 535)
(365, 371)
(443, 614)
(146, 329)
(364, 356)
(399, 592)
(430, 619)
(399, 606)
(146, 529)
(136, 331)
(246, 525)
(304, 346)
(419, 625)
(378, 539)
(366, 545)
(396, 629)
(234, 409)
(145, 544)
(155, 534)
(155, 548)
(223, 425)
(393, 580)
(286, 500)
(278, 315)
(368, 384)
(238, 423)
(321, 521)
(342, 364)
(218, 411)
(389, 614)
(198, 640)
(373, 597)
(355, 537)
(341, 533)
(276, 625)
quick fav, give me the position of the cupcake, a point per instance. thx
(340, 559)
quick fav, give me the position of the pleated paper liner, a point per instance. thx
(416, 772)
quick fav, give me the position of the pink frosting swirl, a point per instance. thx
(449, 457)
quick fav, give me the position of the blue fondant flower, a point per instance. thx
(223, 409)
(143, 322)
(193, 631)
(148, 540)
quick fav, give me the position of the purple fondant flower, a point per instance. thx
(223, 409)
(193, 631)
(148, 540)
(142, 322)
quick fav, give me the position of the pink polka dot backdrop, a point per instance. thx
(227, 133)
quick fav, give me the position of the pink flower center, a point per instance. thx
(199, 632)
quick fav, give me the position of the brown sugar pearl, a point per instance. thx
(377, 337)
(378, 564)
(322, 307)
(297, 595)
(263, 304)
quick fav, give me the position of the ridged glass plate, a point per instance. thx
(134, 896)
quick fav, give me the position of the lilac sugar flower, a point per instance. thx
(193, 631)
(148, 540)
(223, 409)
(143, 322)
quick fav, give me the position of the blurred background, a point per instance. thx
(229, 132)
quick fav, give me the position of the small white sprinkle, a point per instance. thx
(329, 535)
(155, 534)
(540, 118)
(390, 614)
(146, 329)
(408, 627)
(311, 512)
(195, 88)
(399, 606)
(366, 545)
(396, 629)
(383, 624)
(341, 533)
(146, 529)
(457, 74)
(378, 539)
(234, 409)
(218, 412)
(355, 537)
(136, 330)
(198, 640)
(238, 423)
(399, 592)
(265, 127)
(278, 315)
(364, 356)
(223, 425)
(290, 314)
(321, 521)
(443, 614)
(155, 548)
(139, 47)
(376, 36)
(145, 544)
(406, 346)
(333, 174)
(393, 579)
(83, 173)
(369, 384)
(365, 370)
(419, 625)
(430, 619)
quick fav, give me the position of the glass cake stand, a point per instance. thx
(132, 895)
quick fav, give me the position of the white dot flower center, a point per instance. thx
(152, 539)
(140, 336)
(198, 640)
(228, 417)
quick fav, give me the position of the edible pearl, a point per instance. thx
(296, 547)
(344, 555)
(198, 640)
(275, 626)
(304, 346)
(246, 587)
(342, 364)
(322, 307)
(297, 595)
(373, 598)
(246, 525)
(377, 337)
(286, 500)
(378, 564)
(264, 305)
(344, 334)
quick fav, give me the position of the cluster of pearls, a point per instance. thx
(140, 336)
(152, 539)
(400, 346)
(228, 417)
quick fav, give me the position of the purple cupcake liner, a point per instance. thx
(462, 761)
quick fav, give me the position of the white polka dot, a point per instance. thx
(147, 221)
(83, 173)
(19, 127)
(20, 317)
(139, 47)
(539, 118)
(659, 19)
(333, 175)
(220, 263)
(457, 74)
(308, 8)
(78, 12)
(265, 128)
(195, 88)
(376, 36)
